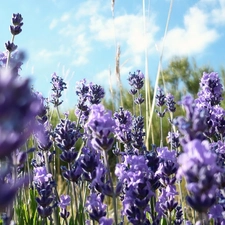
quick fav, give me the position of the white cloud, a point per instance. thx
(53, 24)
(71, 31)
(47, 55)
(89, 8)
(65, 17)
(218, 14)
(104, 78)
(193, 38)
(127, 30)
(81, 47)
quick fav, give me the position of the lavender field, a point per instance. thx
(142, 156)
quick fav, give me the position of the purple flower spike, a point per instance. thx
(173, 139)
(10, 46)
(7, 190)
(96, 93)
(58, 86)
(209, 99)
(198, 166)
(170, 103)
(88, 94)
(17, 19)
(99, 126)
(64, 201)
(136, 80)
(95, 206)
(18, 110)
(211, 89)
(105, 221)
(160, 97)
(41, 175)
(123, 127)
(17, 24)
(66, 134)
(194, 125)
(3, 59)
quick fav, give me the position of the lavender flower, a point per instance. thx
(136, 80)
(96, 93)
(198, 166)
(166, 202)
(82, 88)
(17, 24)
(138, 133)
(73, 173)
(123, 126)
(66, 135)
(173, 139)
(99, 126)
(170, 103)
(167, 166)
(216, 213)
(58, 86)
(17, 112)
(64, 202)
(3, 59)
(46, 200)
(139, 100)
(105, 221)
(194, 125)
(209, 98)
(95, 206)
(135, 173)
(88, 94)
(8, 187)
(10, 46)
(160, 97)
(89, 161)
(211, 90)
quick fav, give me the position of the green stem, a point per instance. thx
(9, 53)
(74, 194)
(111, 183)
(58, 114)
(161, 129)
(181, 200)
(140, 111)
(47, 164)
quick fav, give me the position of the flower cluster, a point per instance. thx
(142, 186)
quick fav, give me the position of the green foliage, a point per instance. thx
(181, 76)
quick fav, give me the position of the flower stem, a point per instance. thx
(9, 53)
(55, 214)
(161, 130)
(111, 183)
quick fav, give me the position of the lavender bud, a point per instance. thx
(15, 30)
(160, 97)
(170, 103)
(10, 46)
(17, 19)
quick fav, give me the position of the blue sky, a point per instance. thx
(77, 38)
